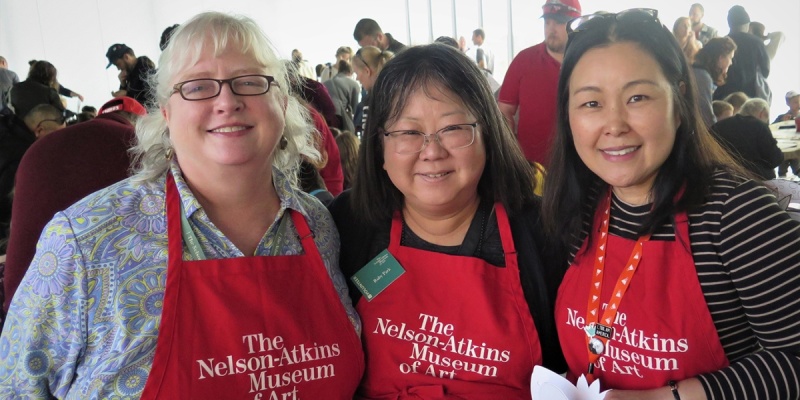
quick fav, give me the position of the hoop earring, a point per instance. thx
(169, 153)
(283, 143)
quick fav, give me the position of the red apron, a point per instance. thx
(252, 327)
(451, 327)
(662, 331)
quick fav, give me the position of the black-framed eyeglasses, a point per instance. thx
(59, 121)
(206, 88)
(633, 15)
(451, 137)
(360, 57)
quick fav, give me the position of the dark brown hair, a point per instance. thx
(507, 177)
(708, 57)
(695, 154)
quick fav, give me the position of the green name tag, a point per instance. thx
(377, 275)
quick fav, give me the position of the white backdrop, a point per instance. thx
(75, 34)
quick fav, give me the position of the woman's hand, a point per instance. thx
(689, 389)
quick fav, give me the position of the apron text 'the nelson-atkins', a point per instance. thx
(269, 353)
(435, 349)
(632, 351)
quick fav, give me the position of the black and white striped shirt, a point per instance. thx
(747, 254)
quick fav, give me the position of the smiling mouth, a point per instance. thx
(228, 129)
(439, 175)
(622, 152)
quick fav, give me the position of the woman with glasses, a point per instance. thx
(206, 275)
(440, 239)
(684, 280)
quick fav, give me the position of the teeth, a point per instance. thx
(229, 129)
(621, 152)
(436, 175)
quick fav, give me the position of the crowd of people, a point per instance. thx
(397, 224)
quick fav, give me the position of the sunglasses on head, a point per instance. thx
(634, 15)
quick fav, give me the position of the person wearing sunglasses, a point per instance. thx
(441, 240)
(206, 275)
(683, 280)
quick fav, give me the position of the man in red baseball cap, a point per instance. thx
(530, 82)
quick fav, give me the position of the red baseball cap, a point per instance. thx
(124, 103)
(561, 10)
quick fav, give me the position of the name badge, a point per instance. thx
(377, 275)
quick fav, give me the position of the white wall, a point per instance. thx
(75, 34)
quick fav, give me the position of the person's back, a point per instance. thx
(57, 171)
(344, 93)
(28, 94)
(138, 88)
(15, 139)
(751, 63)
(750, 139)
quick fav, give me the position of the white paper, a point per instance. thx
(548, 385)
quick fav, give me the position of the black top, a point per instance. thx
(538, 263)
(137, 85)
(28, 94)
(747, 253)
(750, 57)
(394, 45)
(15, 139)
(750, 139)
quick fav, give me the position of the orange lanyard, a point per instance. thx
(598, 334)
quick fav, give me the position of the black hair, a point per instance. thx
(695, 155)
(366, 27)
(507, 177)
(447, 40)
(166, 35)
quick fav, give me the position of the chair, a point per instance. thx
(788, 195)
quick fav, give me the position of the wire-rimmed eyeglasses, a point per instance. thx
(451, 137)
(206, 88)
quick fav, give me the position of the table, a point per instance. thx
(788, 139)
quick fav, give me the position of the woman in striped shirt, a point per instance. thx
(684, 280)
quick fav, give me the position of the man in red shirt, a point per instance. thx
(531, 80)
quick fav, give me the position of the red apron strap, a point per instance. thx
(505, 229)
(396, 232)
(304, 233)
(166, 328)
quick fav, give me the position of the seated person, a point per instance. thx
(443, 194)
(722, 109)
(793, 101)
(747, 136)
(50, 178)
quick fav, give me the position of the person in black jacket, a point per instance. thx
(16, 136)
(133, 73)
(747, 137)
(444, 187)
(751, 65)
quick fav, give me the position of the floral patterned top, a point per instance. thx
(84, 322)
